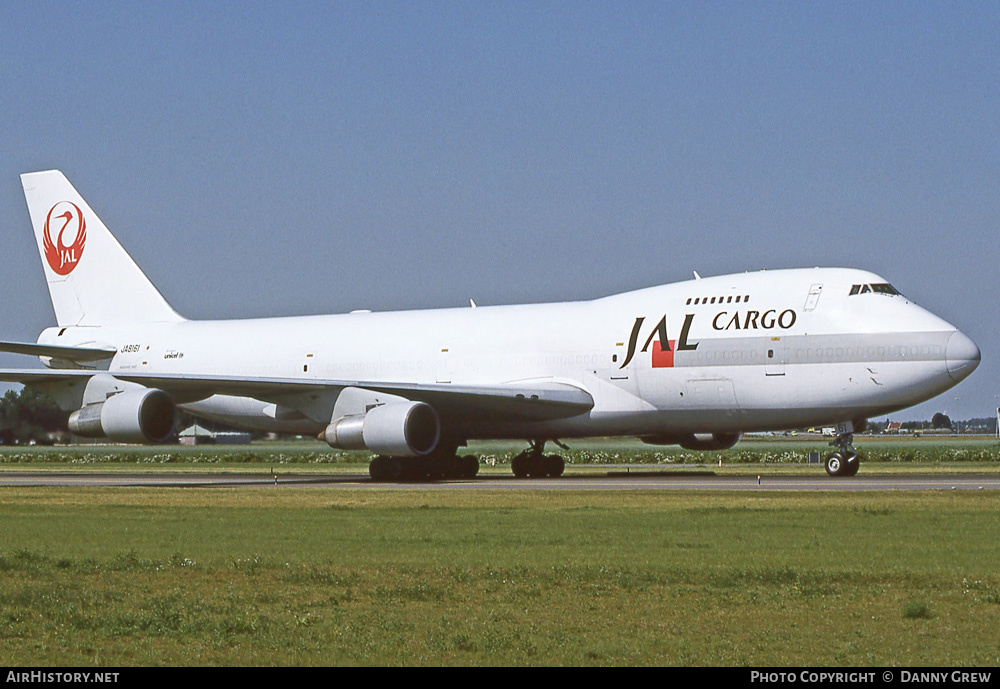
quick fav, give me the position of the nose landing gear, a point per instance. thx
(845, 460)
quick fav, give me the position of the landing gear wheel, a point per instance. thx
(384, 469)
(521, 465)
(835, 464)
(533, 464)
(537, 467)
(416, 469)
(378, 469)
(419, 469)
(453, 467)
(469, 466)
(554, 466)
(845, 460)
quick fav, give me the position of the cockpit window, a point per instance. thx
(877, 288)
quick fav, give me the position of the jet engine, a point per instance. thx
(696, 441)
(137, 416)
(400, 429)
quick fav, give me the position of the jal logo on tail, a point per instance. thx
(66, 219)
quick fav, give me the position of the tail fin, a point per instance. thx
(92, 280)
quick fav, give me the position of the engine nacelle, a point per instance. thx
(138, 416)
(696, 441)
(400, 429)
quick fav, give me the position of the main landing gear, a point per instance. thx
(533, 464)
(434, 468)
(844, 461)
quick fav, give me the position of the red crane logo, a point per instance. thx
(62, 258)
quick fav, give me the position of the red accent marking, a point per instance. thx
(63, 259)
(663, 359)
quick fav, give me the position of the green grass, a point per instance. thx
(917, 610)
(267, 576)
(974, 451)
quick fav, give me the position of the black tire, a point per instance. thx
(386, 469)
(537, 466)
(439, 468)
(554, 466)
(835, 464)
(378, 469)
(852, 468)
(469, 466)
(520, 465)
(416, 469)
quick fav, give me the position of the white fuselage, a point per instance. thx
(756, 351)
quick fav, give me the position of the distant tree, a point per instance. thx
(940, 420)
(29, 415)
(985, 425)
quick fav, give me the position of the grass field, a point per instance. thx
(878, 452)
(272, 576)
(266, 576)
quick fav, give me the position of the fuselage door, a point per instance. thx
(813, 298)
(443, 368)
(775, 357)
(622, 390)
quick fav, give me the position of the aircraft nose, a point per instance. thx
(962, 354)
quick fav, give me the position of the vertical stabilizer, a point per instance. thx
(91, 278)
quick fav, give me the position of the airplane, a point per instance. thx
(695, 363)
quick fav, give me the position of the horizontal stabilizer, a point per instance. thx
(78, 354)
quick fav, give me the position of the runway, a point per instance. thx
(613, 480)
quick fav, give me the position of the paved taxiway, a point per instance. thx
(636, 480)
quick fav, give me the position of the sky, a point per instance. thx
(289, 158)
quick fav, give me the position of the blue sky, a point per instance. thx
(291, 158)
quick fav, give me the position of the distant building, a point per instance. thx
(232, 438)
(893, 427)
(197, 435)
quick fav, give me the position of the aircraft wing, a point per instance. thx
(526, 401)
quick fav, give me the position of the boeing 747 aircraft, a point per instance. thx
(695, 363)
